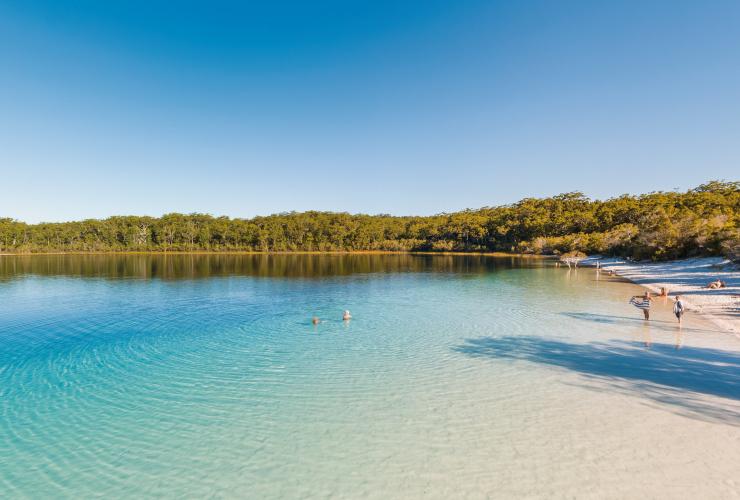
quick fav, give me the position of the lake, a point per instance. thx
(458, 376)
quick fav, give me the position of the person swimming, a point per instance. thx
(315, 320)
(346, 316)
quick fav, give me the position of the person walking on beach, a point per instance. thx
(678, 309)
(642, 302)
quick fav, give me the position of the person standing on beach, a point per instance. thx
(678, 309)
(642, 302)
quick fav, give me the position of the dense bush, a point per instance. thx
(661, 225)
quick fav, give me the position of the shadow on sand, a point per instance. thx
(679, 380)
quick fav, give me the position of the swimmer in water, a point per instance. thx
(315, 320)
(346, 316)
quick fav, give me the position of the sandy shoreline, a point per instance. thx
(687, 278)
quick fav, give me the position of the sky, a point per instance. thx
(401, 107)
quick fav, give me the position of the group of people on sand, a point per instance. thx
(718, 283)
(644, 301)
(346, 316)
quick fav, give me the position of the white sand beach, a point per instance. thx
(688, 278)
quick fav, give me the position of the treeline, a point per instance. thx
(661, 225)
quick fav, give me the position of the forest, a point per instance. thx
(658, 226)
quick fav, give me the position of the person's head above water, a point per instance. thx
(315, 320)
(346, 315)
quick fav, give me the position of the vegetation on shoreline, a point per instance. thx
(661, 225)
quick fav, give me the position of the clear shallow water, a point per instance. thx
(458, 376)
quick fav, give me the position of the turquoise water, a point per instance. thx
(192, 376)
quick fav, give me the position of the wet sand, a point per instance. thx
(687, 278)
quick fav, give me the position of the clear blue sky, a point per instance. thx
(246, 108)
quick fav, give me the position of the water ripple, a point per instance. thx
(223, 387)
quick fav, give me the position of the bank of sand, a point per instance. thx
(688, 278)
